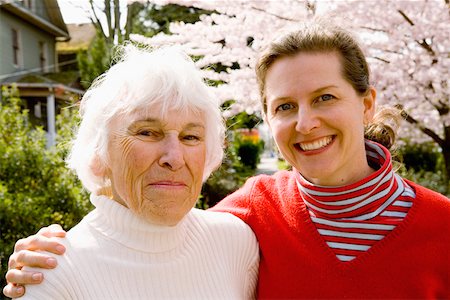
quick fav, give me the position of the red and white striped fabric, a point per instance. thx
(353, 218)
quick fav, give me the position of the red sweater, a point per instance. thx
(410, 262)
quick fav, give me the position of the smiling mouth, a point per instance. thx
(315, 145)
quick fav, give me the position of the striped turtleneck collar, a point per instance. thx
(352, 218)
(361, 200)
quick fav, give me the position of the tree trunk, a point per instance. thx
(446, 152)
(109, 22)
(118, 37)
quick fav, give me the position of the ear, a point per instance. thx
(369, 102)
(98, 167)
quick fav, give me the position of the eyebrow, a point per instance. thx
(316, 91)
(194, 125)
(158, 121)
(323, 88)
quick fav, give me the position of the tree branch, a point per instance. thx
(422, 128)
(374, 29)
(406, 17)
(96, 20)
(423, 43)
(274, 15)
(117, 30)
(109, 21)
(381, 59)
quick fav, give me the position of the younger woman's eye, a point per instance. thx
(284, 107)
(326, 97)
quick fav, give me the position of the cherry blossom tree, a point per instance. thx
(407, 44)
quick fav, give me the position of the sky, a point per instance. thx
(73, 11)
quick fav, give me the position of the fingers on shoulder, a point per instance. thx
(13, 291)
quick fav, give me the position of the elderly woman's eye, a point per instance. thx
(191, 138)
(145, 132)
(284, 107)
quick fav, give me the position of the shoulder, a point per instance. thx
(218, 220)
(432, 206)
(429, 196)
(225, 233)
(221, 225)
(261, 187)
(260, 194)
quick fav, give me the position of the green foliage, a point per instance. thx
(433, 180)
(283, 164)
(94, 61)
(36, 188)
(228, 178)
(249, 153)
(424, 156)
(153, 19)
(248, 149)
(424, 164)
(243, 120)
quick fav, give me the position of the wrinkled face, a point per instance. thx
(317, 118)
(156, 165)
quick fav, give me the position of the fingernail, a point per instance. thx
(51, 262)
(60, 249)
(36, 276)
(19, 290)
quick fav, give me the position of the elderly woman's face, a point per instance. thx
(156, 165)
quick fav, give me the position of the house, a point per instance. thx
(29, 31)
(81, 38)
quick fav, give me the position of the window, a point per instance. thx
(29, 4)
(16, 47)
(43, 56)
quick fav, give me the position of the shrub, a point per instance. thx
(248, 153)
(248, 147)
(424, 156)
(424, 164)
(433, 180)
(228, 178)
(36, 188)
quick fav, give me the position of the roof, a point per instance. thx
(81, 38)
(55, 25)
(39, 86)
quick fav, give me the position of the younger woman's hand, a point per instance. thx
(25, 255)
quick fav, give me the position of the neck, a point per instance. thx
(119, 223)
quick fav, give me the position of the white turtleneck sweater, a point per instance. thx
(112, 254)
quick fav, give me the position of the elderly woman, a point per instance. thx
(151, 132)
(342, 223)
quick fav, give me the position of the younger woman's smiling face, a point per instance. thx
(317, 118)
(156, 164)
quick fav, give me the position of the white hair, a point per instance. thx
(142, 79)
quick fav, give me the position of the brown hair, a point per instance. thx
(320, 36)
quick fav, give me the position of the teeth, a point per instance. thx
(316, 144)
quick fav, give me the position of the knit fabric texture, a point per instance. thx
(411, 261)
(112, 254)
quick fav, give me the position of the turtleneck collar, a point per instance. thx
(359, 200)
(119, 223)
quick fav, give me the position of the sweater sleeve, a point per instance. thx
(252, 277)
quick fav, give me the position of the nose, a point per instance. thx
(307, 120)
(172, 154)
